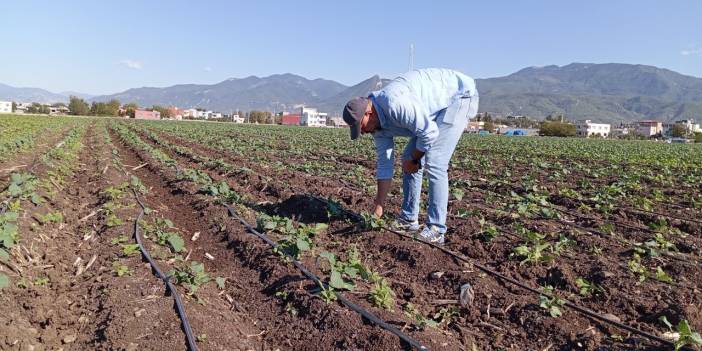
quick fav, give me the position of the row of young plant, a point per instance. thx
(313, 158)
(18, 133)
(297, 241)
(29, 192)
(535, 250)
(253, 147)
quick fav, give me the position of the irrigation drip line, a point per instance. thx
(625, 209)
(356, 308)
(192, 346)
(628, 209)
(487, 270)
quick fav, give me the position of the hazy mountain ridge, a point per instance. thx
(603, 92)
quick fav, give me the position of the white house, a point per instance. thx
(312, 118)
(237, 119)
(5, 106)
(203, 114)
(191, 112)
(585, 128)
(215, 115)
(649, 128)
(689, 124)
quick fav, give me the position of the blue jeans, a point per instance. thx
(452, 122)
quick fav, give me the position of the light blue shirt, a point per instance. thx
(408, 106)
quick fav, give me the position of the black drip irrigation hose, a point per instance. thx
(356, 308)
(392, 329)
(192, 346)
(487, 270)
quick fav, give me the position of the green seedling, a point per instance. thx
(488, 230)
(191, 276)
(533, 253)
(160, 231)
(370, 222)
(41, 281)
(130, 249)
(416, 316)
(587, 288)
(382, 295)
(637, 268)
(552, 305)
(662, 276)
(444, 315)
(120, 270)
(221, 282)
(119, 240)
(295, 239)
(52, 217)
(327, 294)
(686, 336)
(4, 281)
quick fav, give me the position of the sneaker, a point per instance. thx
(433, 235)
(402, 224)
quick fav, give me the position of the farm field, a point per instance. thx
(567, 244)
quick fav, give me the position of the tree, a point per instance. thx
(489, 126)
(259, 116)
(698, 137)
(556, 118)
(130, 109)
(557, 129)
(110, 108)
(78, 106)
(38, 108)
(165, 112)
(14, 107)
(678, 130)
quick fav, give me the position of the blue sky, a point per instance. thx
(103, 47)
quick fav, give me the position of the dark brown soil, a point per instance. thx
(623, 295)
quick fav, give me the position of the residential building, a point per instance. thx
(147, 114)
(5, 106)
(585, 128)
(203, 114)
(620, 132)
(215, 115)
(59, 110)
(689, 124)
(236, 118)
(310, 117)
(336, 121)
(22, 107)
(175, 113)
(290, 119)
(649, 128)
(191, 113)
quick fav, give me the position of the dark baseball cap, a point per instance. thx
(354, 111)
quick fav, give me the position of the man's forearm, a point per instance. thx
(383, 190)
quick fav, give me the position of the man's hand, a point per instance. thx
(409, 166)
(378, 210)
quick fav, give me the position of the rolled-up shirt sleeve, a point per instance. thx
(385, 157)
(412, 115)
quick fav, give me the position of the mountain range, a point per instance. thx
(609, 92)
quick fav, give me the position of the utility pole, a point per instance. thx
(411, 57)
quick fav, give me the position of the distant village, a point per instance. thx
(682, 131)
